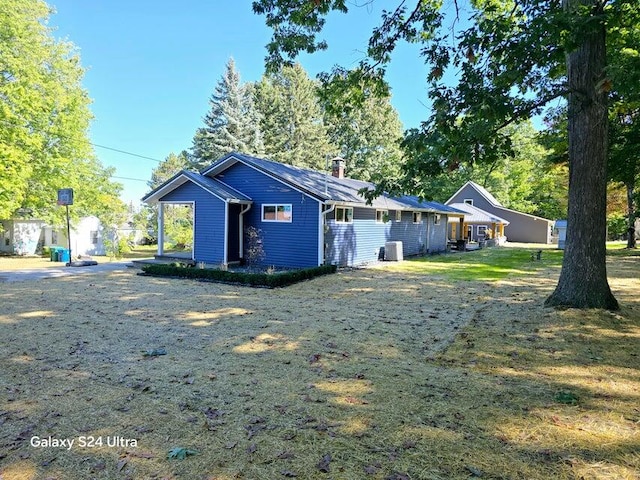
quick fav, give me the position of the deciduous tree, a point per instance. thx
(44, 118)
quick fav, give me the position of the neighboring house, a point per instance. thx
(522, 227)
(306, 218)
(28, 237)
(478, 225)
(21, 236)
(561, 232)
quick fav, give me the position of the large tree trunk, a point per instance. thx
(631, 231)
(583, 279)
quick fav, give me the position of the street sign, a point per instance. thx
(65, 196)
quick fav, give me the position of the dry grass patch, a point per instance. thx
(363, 374)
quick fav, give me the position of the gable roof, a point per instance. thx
(213, 186)
(477, 215)
(324, 187)
(492, 200)
(481, 190)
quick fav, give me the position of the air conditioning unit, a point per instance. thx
(393, 251)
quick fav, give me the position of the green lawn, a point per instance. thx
(488, 264)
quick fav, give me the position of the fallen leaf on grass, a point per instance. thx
(121, 463)
(289, 473)
(230, 445)
(180, 453)
(285, 455)
(476, 472)
(314, 358)
(323, 465)
(99, 466)
(154, 352)
(252, 448)
(371, 469)
(397, 476)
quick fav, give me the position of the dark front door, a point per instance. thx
(233, 235)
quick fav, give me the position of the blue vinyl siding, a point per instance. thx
(438, 234)
(360, 242)
(357, 242)
(208, 242)
(293, 244)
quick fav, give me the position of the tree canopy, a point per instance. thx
(44, 118)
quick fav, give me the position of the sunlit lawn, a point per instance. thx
(480, 265)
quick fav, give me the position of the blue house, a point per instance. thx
(306, 218)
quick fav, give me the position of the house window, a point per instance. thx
(344, 214)
(93, 235)
(398, 215)
(417, 217)
(382, 216)
(469, 201)
(276, 213)
(436, 219)
(482, 230)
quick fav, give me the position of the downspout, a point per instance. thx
(323, 220)
(225, 250)
(241, 226)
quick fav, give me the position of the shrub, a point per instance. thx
(252, 279)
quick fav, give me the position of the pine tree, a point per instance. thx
(292, 119)
(232, 123)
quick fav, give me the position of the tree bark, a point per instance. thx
(631, 231)
(583, 278)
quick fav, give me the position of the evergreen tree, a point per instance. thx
(44, 118)
(292, 119)
(368, 137)
(232, 123)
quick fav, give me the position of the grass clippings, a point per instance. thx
(366, 373)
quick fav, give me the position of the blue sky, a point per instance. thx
(152, 66)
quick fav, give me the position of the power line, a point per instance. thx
(6, 122)
(129, 178)
(125, 152)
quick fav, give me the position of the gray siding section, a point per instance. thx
(360, 242)
(522, 228)
(208, 242)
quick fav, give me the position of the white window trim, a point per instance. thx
(419, 214)
(382, 216)
(478, 227)
(468, 201)
(276, 220)
(437, 219)
(344, 215)
(398, 215)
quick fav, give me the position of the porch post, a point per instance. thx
(160, 229)
(460, 230)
